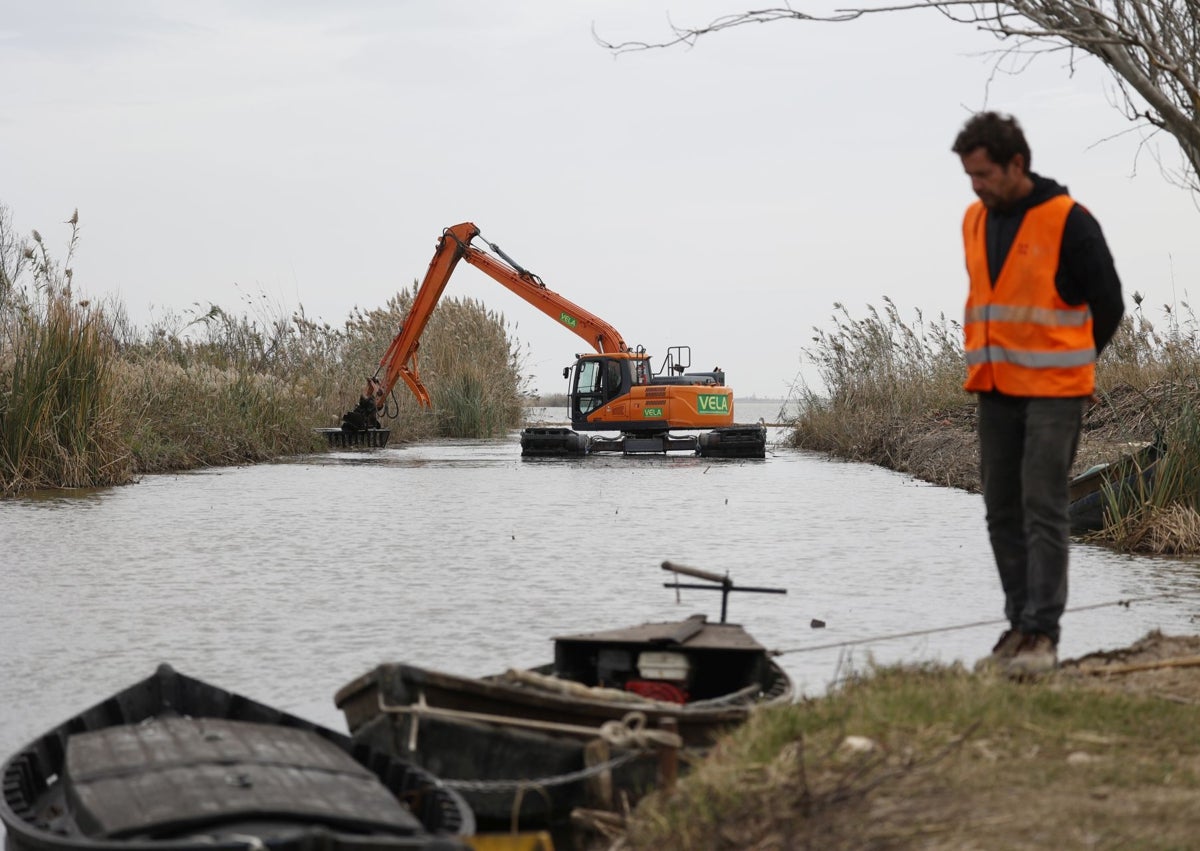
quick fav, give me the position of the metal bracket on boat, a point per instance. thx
(724, 583)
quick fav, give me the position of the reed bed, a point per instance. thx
(892, 395)
(467, 360)
(86, 399)
(59, 424)
(1156, 511)
(884, 381)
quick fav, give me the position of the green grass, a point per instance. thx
(941, 759)
(1160, 512)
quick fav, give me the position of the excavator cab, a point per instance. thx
(599, 379)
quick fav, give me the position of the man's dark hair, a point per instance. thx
(998, 134)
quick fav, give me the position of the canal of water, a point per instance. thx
(283, 581)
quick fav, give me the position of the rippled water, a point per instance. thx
(284, 581)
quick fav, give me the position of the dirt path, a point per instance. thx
(1163, 666)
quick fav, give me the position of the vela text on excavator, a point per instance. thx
(613, 390)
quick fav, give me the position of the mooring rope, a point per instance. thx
(1125, 602)
(495, 786)
(629, 731)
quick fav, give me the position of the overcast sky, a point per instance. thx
(722, 197)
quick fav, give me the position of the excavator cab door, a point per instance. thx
(587, 388)
(597, 380)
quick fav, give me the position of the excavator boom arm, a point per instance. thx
(399, 362)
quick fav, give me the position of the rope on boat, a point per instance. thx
(629, 731)
(485, 786)
(1126, 602)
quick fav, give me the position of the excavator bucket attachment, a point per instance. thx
(371, 438)
(360, 427)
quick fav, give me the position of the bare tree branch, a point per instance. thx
(1151, 47)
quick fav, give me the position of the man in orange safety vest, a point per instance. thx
(1044, 300)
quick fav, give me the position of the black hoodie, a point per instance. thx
(1085, 266)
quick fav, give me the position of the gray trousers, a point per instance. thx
(1026, 448)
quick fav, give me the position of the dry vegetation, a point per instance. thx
(1101, 754)
(87, 400)
(893, 396)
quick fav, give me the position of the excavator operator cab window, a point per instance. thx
(598, 380)
(589, 390)
(612, 380)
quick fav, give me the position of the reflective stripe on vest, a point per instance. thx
(1033, 360)
(1035, 315)
(1020, 337)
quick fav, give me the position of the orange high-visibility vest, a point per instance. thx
(1020, 337)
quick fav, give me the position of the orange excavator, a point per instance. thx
(613, 389)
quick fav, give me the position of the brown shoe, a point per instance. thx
(1005, 649)
(1036, 655)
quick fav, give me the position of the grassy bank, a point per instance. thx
(892, 395)
(86, 399)
(1100, 754)
(1094, 756)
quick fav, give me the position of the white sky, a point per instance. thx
(723, 197)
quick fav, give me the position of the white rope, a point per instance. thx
(629, 731)
(496, 786)
(1126, 602)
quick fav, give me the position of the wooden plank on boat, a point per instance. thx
(711, 636)
(179, 773)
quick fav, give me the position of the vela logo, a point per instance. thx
(712, 403)
(652, 413)
(568, 320)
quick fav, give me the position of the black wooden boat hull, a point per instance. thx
(1133, 473)
(175, 764)
(509, 775)
(514, 750)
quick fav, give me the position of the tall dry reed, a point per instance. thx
(467, 359)
(59, 422)
(86, 399)
(886, 382)
(880, 374)
(1156, 507)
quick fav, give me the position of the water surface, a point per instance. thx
(283, 581)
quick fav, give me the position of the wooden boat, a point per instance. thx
(172, 763)
(1135, 472)
(520, 743)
